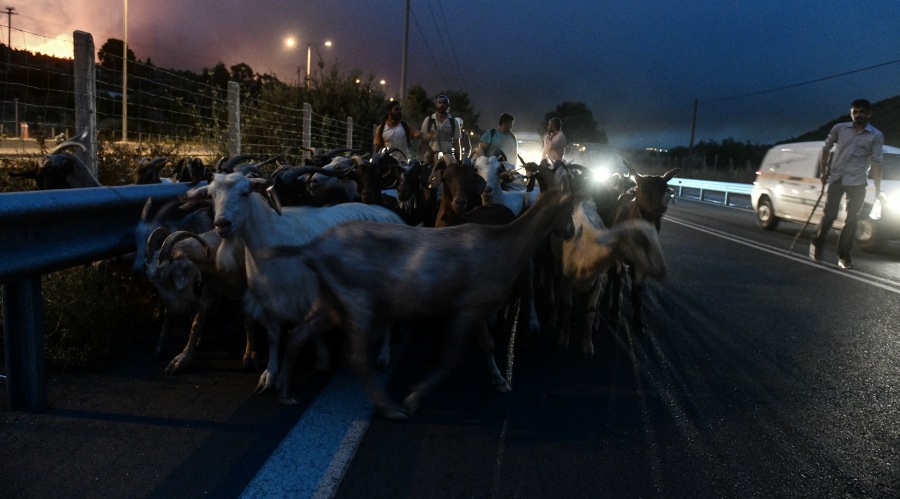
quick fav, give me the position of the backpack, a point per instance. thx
(432, 126)
(491, 142)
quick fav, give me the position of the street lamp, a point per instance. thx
(290, 42)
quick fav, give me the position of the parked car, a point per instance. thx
(787, 186)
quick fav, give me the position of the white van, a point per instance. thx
(787, 186)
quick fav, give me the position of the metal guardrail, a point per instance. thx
(46, 231)
(726, 193)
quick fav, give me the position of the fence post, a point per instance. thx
(234, 119)
(23, 335)
(86, 99)
(306, 139)
(349, 132)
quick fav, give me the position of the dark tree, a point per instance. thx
(578, 122)
(110, 54)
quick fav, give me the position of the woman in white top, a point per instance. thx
(395, 133)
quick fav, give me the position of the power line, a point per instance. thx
(793, 85)
(452, 48)
(427, 46)
(440, 35)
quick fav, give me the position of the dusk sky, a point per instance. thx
(638, 64)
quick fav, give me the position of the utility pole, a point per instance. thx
(691, 145)
(9, 14)
(125, 74)
(403, 63)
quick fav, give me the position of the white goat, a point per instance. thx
(419, 273)
(278, 292)
(591, 252)
(490, 169)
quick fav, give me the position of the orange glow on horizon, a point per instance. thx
(59, 46)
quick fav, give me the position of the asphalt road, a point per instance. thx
(758, 374)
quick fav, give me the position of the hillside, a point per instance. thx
(885, 117)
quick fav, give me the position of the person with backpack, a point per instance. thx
(394, 133)
(442, 131)
(501, 141)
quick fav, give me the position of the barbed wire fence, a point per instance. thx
(37, 101)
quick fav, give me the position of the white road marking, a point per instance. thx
(331, 428)
(877, 281)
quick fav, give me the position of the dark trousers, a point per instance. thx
(856, 196)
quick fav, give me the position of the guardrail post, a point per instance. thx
(23, 334)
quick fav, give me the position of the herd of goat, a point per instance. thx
(350, 242)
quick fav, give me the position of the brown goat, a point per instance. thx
(409, 280)
(461, 189)
(650, 202)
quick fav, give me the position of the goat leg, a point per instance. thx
(359, 362)
(613, 289)
(267, 378)
(384, 355)
(566, 307)
(250, 360)
(204, 308)
(297, 337)
(637, 292)
(590, 313)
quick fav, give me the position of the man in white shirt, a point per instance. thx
(857, 145)
(442, 131)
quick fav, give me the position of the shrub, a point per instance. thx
(92, 314)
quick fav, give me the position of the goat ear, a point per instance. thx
(198, 194)
(183, 274)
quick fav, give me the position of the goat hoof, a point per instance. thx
(394, 413)
(250, 362)
(177, 364)
(265, 382)
(287, 399)
(412, 402)
(501, 386)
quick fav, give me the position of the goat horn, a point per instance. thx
(68, 144)
(269, 161)
(393, 150)
(309, 170)
(159, 232)
(334, 152)
(231, 163)
(158, 163)
(165, 252)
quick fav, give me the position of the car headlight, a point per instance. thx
(893, 201)
(599, 174)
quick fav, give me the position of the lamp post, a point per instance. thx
(125, 71)
(290, 42)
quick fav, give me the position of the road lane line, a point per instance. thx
(332, 427)
(877, 281)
